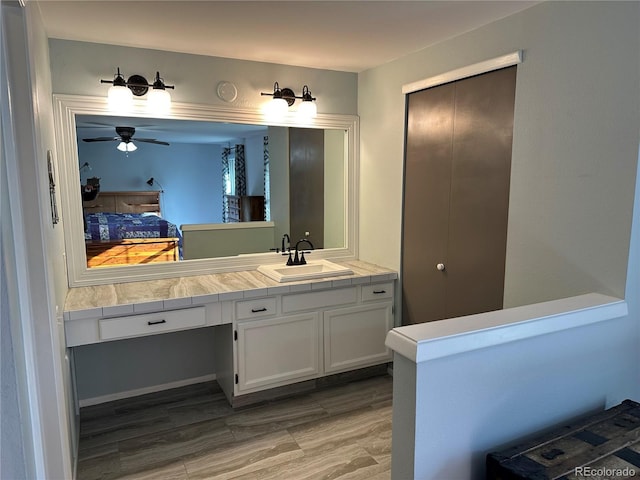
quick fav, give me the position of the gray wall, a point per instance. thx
(105, 368)
(577, 118)
(78, 67)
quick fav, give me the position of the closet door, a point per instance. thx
(427, 185)
(457, 173)
(306, 198)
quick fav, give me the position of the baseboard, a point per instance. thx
(87, 402)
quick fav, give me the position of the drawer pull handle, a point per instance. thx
(256, 310)
(156, 322)
(378, 292)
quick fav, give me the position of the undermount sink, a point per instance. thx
(312, 269)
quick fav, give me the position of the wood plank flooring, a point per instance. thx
(342, 432)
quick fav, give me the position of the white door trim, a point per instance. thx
(496, 63)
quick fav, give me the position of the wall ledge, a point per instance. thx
(428, 341)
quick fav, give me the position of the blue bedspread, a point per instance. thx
(116, 226)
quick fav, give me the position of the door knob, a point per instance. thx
(440, 266)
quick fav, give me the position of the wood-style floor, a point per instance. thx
(342, 432)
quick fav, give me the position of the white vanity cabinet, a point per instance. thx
(263, 338)
(283, 339)
(277, 351)
(354, 336)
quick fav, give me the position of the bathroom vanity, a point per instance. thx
(271, 337)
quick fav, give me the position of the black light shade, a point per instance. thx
(151, 182)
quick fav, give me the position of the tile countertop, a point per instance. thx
(180, 292)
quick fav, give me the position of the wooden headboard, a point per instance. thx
(125, 202)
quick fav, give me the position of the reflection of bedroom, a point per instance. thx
(190, 175)
(189, 179)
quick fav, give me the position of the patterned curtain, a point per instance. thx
(241, 171)
(267, 181)
(234, 177)
(226, 181)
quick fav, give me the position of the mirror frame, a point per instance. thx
(66, 107)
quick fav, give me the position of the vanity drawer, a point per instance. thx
(314, 300)
(260, 307)
(377, 291)
(151, 323)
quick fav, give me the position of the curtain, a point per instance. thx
(267, 180)
(234, 177)
(241, 171)
(226, 182)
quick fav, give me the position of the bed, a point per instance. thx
(127, 228)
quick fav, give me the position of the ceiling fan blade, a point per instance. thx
(100, 139)
(149, 140)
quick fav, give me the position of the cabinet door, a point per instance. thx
(277, 351)
(354, 336)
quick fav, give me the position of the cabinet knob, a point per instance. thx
(440, 266)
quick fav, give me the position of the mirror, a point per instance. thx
(209, 128)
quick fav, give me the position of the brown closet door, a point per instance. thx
(481, 171)
(306, 185)
(427, 185)
(457, 173)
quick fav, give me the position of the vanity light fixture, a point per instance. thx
(119, 96)
(121, 93)
(284, 98)
(159, 100)
(307, 109)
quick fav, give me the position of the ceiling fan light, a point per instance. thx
(127, 147)
(158, 100)
(119, 98)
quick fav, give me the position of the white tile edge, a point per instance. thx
(423, 342)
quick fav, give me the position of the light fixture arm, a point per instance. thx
(288, 94)
(137, 83)
(306, 95)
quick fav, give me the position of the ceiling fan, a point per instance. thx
(125, 136)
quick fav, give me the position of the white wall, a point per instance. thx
(334, 193)
(577, 117)
(254, 156)
(473, 402)
(34, 259)
(574, 171)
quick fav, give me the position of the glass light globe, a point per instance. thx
(307, 110)
(158, 100)
(276, 108)
(119, 98)
(127, 147)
